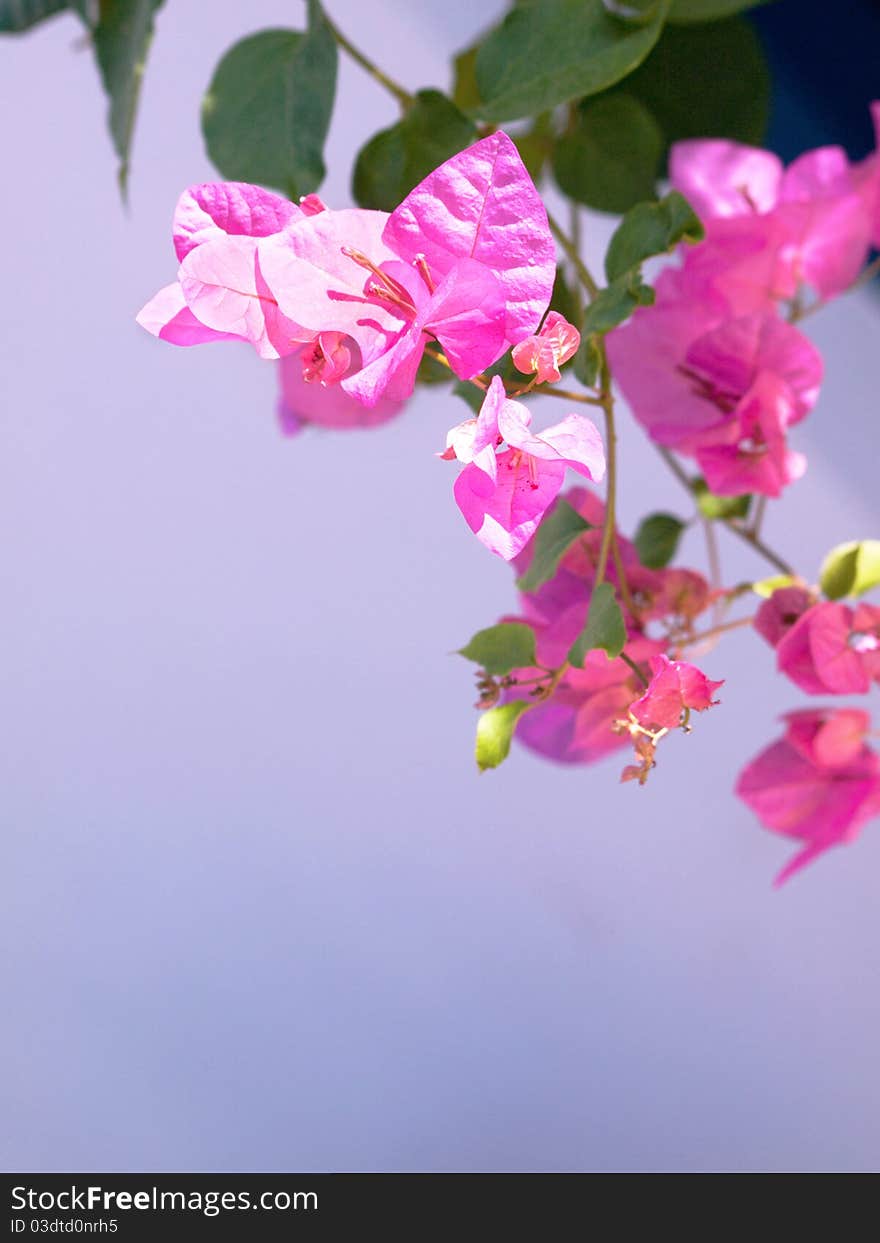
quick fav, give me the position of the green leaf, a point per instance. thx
(657, 538)
(495, 730)
(19, 15)
(588, 360)
(535, 145)
(851, 569)
(616, 303)
(469, 393)
(544, 54)
(765, 587)
(685, 11)
(121, 39)
(706, 80)
(611, 158)
(396, 159)
(605, 627)
(651, 229)
(501, 648)
(465, 92)
(267, 111)
(432, 372)
(720, 507)
(553, 538)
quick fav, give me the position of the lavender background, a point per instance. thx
(258, 910)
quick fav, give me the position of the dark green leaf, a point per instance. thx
(268, 108)
(535, 145)
(851, 569)
(605, 627)
(469, 393)
(501, 648)
(636, 12)
(19, 15)
(553, 538)
(465, 93)
(706, 80)
(685, 11)
(396, 159)
(651, 229)
(616, 303)
(657, 538)
(121, 40)
(611, 157)
(544, 54)
(495, 730)
(432, 372)
(722, 507)
(588, 360)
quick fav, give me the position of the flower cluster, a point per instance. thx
(712, 364)
(715, 369)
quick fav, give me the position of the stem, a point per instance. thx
(749, 537)
(758, 519)
(627, 660)
(716, 630)
(403, 97)
(611, 486)
(574, 221)
(570, 249)
(568, 395)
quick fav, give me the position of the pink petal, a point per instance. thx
(168, 317)
(575, 441)
(466, 314)
(483, 205)
(319, 286)
(326, 405)
(505, 515)
(721, 178)
(207, 211)
(223, 287)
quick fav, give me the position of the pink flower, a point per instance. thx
(545, 353)
(780, 611)
(578, 725)
(304, 401)
(220, 293)
(675, 689)
(832, 649)
(819, 783)
(813, 220)
(466, 259)
(503, 496)
(724, 390)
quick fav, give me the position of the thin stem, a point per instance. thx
(611, 456)
(403, 96)
(627, 660)
(758, 519)
(625, 592)
(716, 630)
(570, 249)
(741, 532)
(714, 560)
(574, 221)
(568, 395)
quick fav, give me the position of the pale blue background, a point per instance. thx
(258, 910)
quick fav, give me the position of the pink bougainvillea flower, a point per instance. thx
(578, 725)
(720, 178)
(676, 687)
(780, 611)
(720, 389)
(819, 783)
(814, 219)
(546, 352)
(503, 496)
(466, 259)
(221, 293)
(228, 208)
(305, 401)
(832, 649)
(483, 205)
